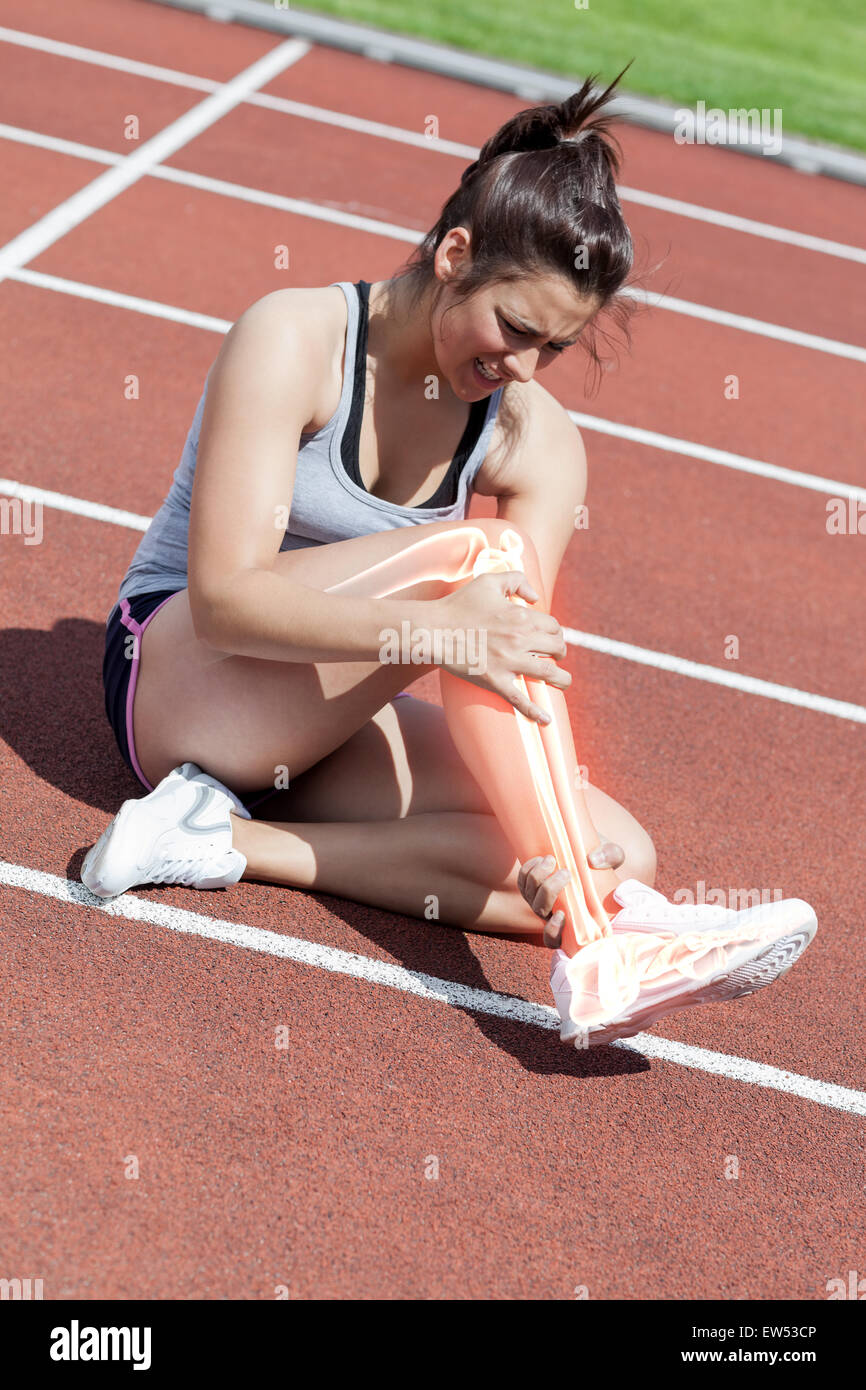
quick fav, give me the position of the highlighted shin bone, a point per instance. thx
(546, 822)
(527, 781)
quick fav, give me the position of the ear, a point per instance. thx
(452, 250)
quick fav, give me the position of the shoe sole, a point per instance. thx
(769, 964)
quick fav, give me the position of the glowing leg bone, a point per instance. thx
(526, 779)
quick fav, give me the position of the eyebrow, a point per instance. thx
(569, 342)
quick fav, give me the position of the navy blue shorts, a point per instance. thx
(126, 622)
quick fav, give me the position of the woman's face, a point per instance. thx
(510, 329)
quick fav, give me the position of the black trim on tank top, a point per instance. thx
(446, 493)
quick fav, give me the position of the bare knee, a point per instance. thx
(641, 861)
(506, 536)
(495, 528)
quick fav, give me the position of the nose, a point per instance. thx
(521, 365)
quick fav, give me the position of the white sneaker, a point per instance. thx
(661, 957)
(179, 833)
(646, 909)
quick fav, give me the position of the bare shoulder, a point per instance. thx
(535, 443)
(304, 329)
(299, 305)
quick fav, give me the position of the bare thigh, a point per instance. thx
(245, 719)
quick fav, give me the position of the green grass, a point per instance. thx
(804, 56)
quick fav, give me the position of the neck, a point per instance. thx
(398, 335)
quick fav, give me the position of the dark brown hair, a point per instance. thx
(542, 190)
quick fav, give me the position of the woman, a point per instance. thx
(314, 545)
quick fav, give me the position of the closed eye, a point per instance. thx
(521, 333)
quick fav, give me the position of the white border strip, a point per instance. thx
(807, 155)
(748, 225)
(745, 324)
(152, 307)
(68, 214)
(740, 462)
(423, 986)
(749, 685)
(73, 210)
(644, 656)
(79, 506)
(634, 433)
(379, 130)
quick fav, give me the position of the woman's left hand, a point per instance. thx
(540, 883)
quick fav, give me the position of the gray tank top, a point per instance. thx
(326, 505)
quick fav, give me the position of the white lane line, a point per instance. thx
(317, 212)
(748, 225)
(779, 332)
(380, 130)
(643, 656)
(741, 462)
(58, 145)
(749, 685)
(79, 505)
(633, 433)
(81, 205)
(429, 987)
(300, 207)
(58, 49)
(151, 307)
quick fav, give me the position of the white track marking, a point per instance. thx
(318, 212)
(97, 58)
(81, 205)
(741, 462)
(748, 225)
(380, 130)
(428, 987)
(300, 207)
(750, 685)
(635, 434)
(745, 324)
(56, 143)
(644, 656)
(79, 505)
(117, 300)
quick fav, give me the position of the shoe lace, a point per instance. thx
(187, 869)
(655, 911)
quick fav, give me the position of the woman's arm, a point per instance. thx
(261, 395)
(541, 484)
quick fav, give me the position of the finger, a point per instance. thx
(549, 892)
(548, 643)
(540, 668)
(541, 870)
(607, 855)
(514, 582)
(553, 930)
(525, 869)
(522, 703)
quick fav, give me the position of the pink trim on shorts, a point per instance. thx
(137, 629)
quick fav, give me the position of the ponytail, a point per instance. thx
(540, 199)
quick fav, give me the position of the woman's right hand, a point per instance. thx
(494, 639)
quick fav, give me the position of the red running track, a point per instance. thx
(307, 1166)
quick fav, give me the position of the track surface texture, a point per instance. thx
(423, 1134)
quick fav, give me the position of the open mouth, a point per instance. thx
(486, 373)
